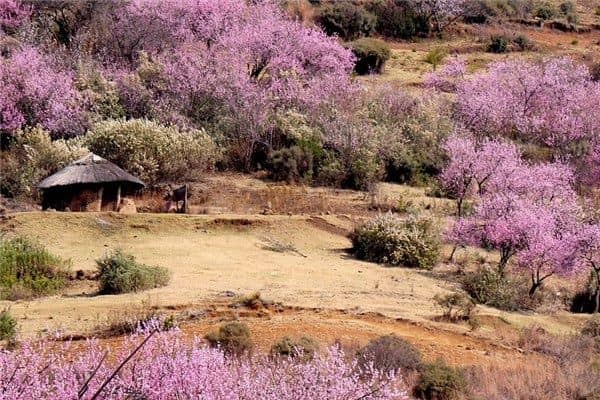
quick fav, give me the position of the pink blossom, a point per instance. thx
(34, 90)
(168, 367)
(447, 78)
(552, 103)
(526, 212)
(12, 15)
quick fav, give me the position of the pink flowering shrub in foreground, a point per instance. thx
(167, 367)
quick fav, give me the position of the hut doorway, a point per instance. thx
(110, 197)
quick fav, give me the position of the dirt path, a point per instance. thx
(354, 330)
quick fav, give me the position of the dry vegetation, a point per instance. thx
(268, 264)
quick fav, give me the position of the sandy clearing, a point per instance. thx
(210, 255)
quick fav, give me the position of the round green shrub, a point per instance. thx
(28, 269)
(398, 19)
(345, 19)
(390, 353)
(567, 7)
(456, 306)
(546, 10)
(371, 55)
(523, 43)
(487, 286)
(121, 273)
(362, 171)
(292, 164)
(231, 337)
(413, 242)
(498, 44)
(303, 347)
(440, 381)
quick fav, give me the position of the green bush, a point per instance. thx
(121, 273)
(292, 164)
(415, 156)
(304, 347)
(592, 327)
(31, 157)
(595, 71)
(331, 171)
(99, 93)
(371, 55)
(359, 170)
(546, 10)
(8, 326)
(345, 19)
(523, 43)
(152, 151)
(390, 353)
(440, 381)
(414, 242)
(363, 171)
(398, 20)
(232, 337)
(498, 44)
(480, 11)
(28, 270)
(567, 7)
(435, 57)
(456, 306)
(487, 286)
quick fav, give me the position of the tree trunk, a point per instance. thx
(451, 258)
(504, 257)
(534, 286)
(597, 294)
(459, 203)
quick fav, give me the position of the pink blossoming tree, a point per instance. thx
(234, 61)
(527, 212)
(34, 90)
(13, 13)
(552, 104)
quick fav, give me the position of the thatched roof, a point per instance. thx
(89, 169)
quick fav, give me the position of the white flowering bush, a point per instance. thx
(413, 242)
(32, 157)
(151, 151)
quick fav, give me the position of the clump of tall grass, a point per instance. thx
(8, 326)
(28, 269)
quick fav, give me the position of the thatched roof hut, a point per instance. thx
(88, 184)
